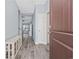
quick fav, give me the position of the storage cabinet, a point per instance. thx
(12, 47)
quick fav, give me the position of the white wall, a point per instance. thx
(41, 29)
(11, 18)
(41, 23)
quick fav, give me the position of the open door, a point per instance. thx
(61, 36)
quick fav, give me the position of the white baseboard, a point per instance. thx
(40, 43)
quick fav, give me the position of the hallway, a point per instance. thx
(27, 18)
(34, 25)
(31, 51)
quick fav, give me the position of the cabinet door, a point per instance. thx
(61, 29)
(61, 15)
(61, 52)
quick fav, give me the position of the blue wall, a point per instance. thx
(11, 18)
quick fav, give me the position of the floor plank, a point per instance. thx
(31, 51)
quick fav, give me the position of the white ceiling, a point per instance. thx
(28, 6)
(25, 6)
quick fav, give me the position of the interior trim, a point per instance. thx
(64, 45)
(63, 33)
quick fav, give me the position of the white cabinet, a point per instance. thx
(12, 47)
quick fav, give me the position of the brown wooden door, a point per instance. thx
(61, 36)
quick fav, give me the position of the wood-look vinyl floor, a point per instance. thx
(31, 51)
